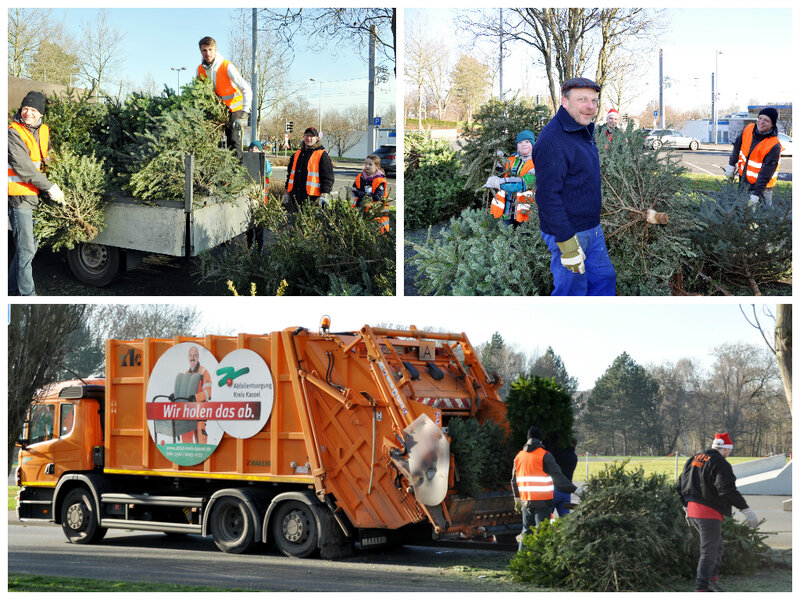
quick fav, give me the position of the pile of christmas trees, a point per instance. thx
(136, 148)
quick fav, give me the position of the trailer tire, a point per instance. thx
(294, 529)
(95, 264)
(232, 526)
(79, 518)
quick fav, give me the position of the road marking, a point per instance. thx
(701, 168)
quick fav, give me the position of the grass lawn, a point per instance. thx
(711, 183)
(18, 582)
(650, 464)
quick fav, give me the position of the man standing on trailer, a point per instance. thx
(230, 87)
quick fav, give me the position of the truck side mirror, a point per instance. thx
(22, 443)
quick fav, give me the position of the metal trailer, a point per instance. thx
(167, 227)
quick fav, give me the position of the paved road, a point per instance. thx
(140, 556)
(193, 560)
(712, 160)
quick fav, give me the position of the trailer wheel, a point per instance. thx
(79, 518)
(232, 526)
(294, 529)
(94, 264)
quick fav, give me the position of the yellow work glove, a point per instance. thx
(517, 505)
(572, 255)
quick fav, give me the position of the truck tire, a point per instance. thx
(79, 518)
(94, 264)
(294, 528)
(232, 526)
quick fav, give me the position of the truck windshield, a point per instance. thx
(42, 420)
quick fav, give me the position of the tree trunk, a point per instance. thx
(783, 348)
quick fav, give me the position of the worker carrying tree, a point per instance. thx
(230, 87)
(515, 184)
(707, 487)
(536, 474)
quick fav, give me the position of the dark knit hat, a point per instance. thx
(312, 130)
(579, 82)
(534, 433)
(771, 113)
(34, 100)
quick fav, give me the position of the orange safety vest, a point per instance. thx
(524, 199)
(312, 180)
(532, 482)
(224, 88)
(751, 164)
(383, 218)
(203, 394)
(38, 152)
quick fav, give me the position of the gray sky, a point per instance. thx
(587, 336)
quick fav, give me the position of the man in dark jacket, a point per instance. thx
(708, 489)
(309, 174)
(759, 161)
(533, 479)
(28, 147)
(568, 195)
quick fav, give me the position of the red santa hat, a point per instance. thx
(612, 110)
(722, 440)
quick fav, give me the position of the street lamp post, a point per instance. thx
(715, 92)
(179, 69)
(319, 106)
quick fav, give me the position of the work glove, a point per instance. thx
(56, 194)
(572, 255)
(750, 517)
(494, 182)
(753, 202)
(730, 172)
(285, 198)
(324, 201)
(517, 505)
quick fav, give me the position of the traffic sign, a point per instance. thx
(376, 121)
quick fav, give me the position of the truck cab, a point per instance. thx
(62, 434)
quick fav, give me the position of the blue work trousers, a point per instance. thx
(600, 279)
(20, 271)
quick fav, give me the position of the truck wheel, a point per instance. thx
(295, 529)
(94, 264)
(232, 526)
(79, 518)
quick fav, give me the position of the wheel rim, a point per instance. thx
(231, 523)
(77, 516)
(296, 527)
(93, 256)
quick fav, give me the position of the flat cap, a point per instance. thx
(578, 82)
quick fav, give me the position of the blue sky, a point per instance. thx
(157, 39)
(756, 46)
(588, 336)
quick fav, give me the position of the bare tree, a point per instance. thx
(100, 50)
(39, 337)
(782, 344)
(344, 128)
(350, 26)
(272, 65)
(417, 60)
(28, 29)
(437, 83)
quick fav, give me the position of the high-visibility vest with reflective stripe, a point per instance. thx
(532, 482)
(497, 206)
(38, 152)
(750, 165)
(223, 86)
(383, 218)
(312, 179)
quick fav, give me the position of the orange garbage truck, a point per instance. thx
(311, 441)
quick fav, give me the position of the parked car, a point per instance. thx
(786, 144)
(387, 155)
(670, 138)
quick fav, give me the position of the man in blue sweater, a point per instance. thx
(568, 195)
